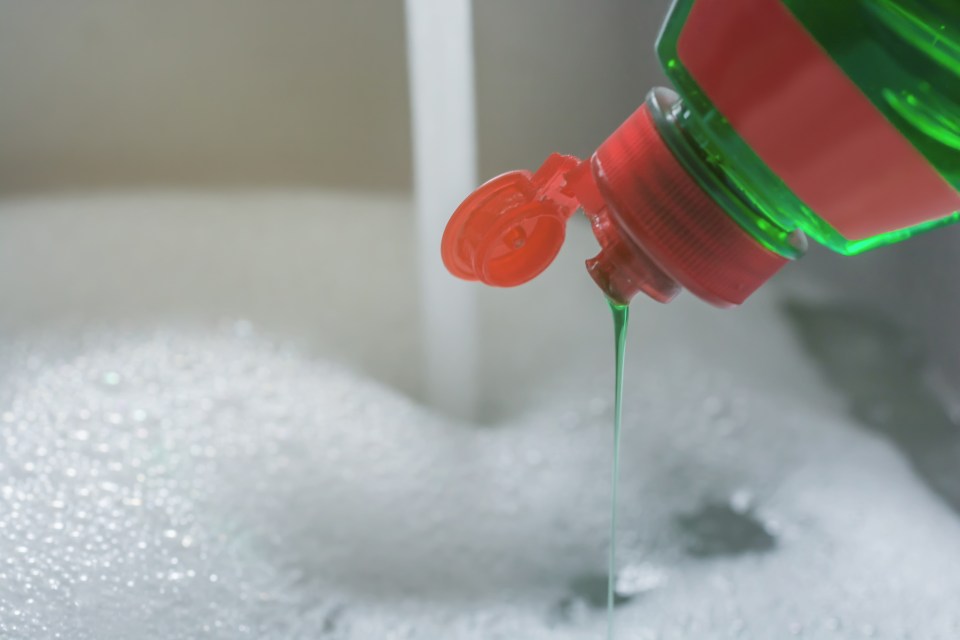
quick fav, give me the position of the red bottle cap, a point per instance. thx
(654, 202)
(658, 229)
(512, 227)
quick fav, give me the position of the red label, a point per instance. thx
(808, 121)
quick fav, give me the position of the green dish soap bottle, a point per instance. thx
(837, 121)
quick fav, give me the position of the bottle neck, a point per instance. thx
(659, 228)
(696, 142)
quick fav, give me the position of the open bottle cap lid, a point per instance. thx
(512, 227)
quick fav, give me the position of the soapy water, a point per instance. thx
(217, 484)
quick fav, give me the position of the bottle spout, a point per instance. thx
(622, 269)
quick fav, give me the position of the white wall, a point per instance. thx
(104, 93)
(560, 75)
(128, 93)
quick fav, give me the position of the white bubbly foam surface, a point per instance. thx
(174, 484)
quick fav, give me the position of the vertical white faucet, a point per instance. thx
(440, 62)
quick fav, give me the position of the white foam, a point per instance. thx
(215, 484)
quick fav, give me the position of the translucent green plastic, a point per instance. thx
(904, 55)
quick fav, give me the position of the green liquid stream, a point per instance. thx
(621, 314)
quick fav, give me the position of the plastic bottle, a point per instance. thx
(837, 120)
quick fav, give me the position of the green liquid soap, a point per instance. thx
(621, 314)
